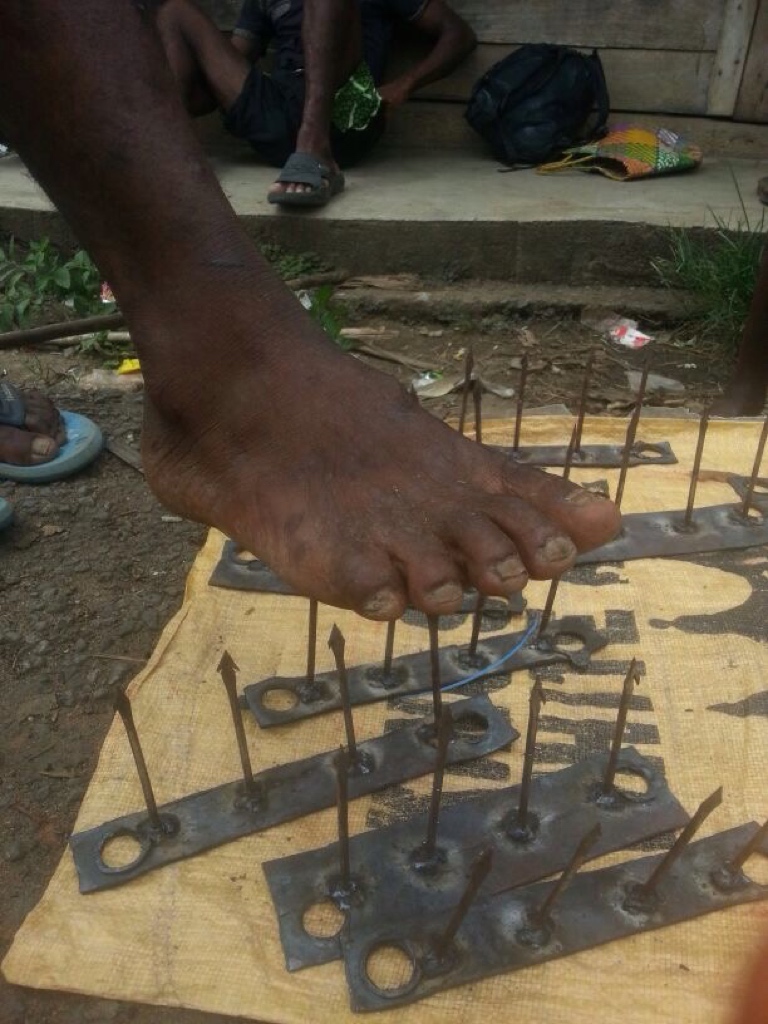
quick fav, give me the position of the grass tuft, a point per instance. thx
(719, 274)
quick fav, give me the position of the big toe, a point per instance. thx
(589, 519)
(23, 448)
(41, 415)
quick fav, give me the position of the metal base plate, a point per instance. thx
(660, 534)
(411, 672)
(202, 821)
(564, 805)
(496, 936)
(599, 456)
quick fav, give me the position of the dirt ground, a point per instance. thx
(93, 567)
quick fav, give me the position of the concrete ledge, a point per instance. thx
(469, 300)
(450, 215)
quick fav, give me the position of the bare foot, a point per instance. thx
(40, 437)
(337, 478)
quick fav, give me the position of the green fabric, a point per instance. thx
(357, 102)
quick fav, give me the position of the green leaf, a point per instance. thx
(62, 278)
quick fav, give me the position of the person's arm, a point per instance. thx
(453, 40)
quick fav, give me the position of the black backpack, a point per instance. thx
(538, 101)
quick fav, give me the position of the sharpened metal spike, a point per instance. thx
(541, 915)
(444, 736)
(570, 452)
(477, 401)
(389, 648)
(631, 680)
(755, 470)
(478, 874)
(123, 708)
(337, 644)
(469, 365)
(477, 620)
(629, 440)
(434, 664)
(520, 403)
(549, 604)
(642, 896)
(688, 518)
(341, 764)
(311, 641)
(739, 859)
(583, 402)
(228, 670)
(535, 701)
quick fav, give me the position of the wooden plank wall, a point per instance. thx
(689, 57)
(658, 55)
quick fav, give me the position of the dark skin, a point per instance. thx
(254, 421)
(39, 439)
(746, 393)
(332, 42)
(211, 68)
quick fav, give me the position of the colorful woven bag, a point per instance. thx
(628, 152)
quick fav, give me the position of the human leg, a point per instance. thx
(746, 393)
(208, 69)
(254, 421)
(332, 44)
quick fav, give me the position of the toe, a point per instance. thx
(589, 519)
(369, 583)
(545, 549)
(22, 448)
(41, 415)
(491, 559)
(434, 575)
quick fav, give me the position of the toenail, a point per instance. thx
(509, 569)
(383, 605)
(43, 446)
(446, 594)
(584, 497)
(557, 549)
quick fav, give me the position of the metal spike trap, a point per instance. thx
(123, 708)
(481, 867)
(521, 826)
(469, 365)
(520, 403)
(434, 663)
(427, 858)
(228, 670)
(755, 470)
(477, 620)
(311, 641)
(631, 680)
(337, 644)
(549, 604)
(643, 898)
(629, 440)
(730, 875)
(538, 930)
(579, 428)
(687, 522)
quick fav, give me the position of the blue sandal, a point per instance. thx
(83, 444)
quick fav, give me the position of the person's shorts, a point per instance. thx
(267, 114)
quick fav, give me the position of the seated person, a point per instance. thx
(265, 109)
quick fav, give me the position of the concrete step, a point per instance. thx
(448, 214)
